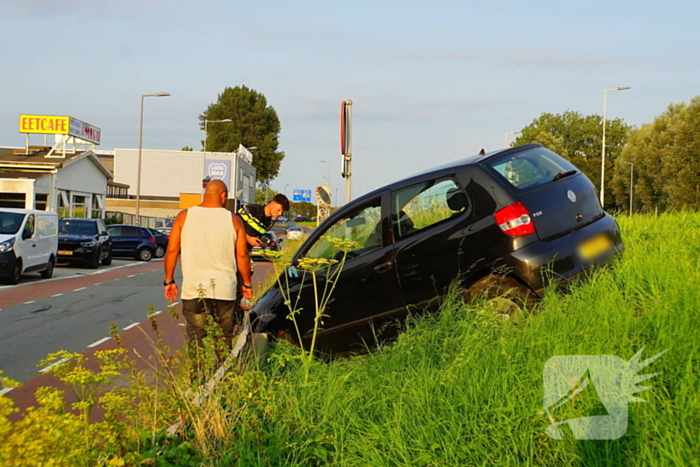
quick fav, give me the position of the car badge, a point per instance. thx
(571, 195)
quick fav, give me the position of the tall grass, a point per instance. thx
(465, 388)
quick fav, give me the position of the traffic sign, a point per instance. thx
(301, 195)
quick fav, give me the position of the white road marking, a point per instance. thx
(78, 290)
(44, 370)
(27, 303)
(159, 312)
(57, 295)
(99, 283)
(95, 344)
(5, 391)
(131, 276)
(132, 325)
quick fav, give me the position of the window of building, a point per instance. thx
(13, 200)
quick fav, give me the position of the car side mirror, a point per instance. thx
(104, 234)
(26, 234)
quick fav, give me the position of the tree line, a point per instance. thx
(663, 157)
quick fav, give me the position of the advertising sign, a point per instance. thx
(59, 125)
(301, 195)
(219, 170)
(44, 124)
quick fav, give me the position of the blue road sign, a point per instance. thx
(301, 195)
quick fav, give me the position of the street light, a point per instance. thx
(285, 189)
(137, 220)
(631, 164)
(505, 138)
(602, 157)
(329, 174)
(205, 129)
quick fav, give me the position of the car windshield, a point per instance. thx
(10, 222)
(532, 168)
(77, 227)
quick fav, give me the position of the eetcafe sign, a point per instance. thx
(55, 125)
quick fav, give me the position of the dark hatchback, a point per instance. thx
(510, 223)
(84, 241)
(132, 241)
(162, 239)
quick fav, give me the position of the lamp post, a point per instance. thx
(137, 220)
(329, 174)
(602, 156)
(285, 189)
(631, 164)
(505, 138)
(205, 129)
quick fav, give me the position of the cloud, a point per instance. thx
(544, 58)
(435, 56)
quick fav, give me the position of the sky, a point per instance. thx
(431, 81)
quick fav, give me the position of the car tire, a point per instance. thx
(144, 254)
(160, 251)
(48, 272)
(95, 260)
(108, 260)
(506, 296)
(16, 273)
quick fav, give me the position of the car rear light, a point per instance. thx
(153, 240)
(515, 220)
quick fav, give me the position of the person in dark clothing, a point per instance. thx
(259, 219)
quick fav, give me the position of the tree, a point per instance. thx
(186, 148)
(254, 124)
(579, 139)
(666, 158)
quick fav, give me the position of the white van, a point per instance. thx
(28, 243)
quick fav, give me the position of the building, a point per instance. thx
(74, 184)
(173, 180)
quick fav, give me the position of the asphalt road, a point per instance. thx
(73, 310)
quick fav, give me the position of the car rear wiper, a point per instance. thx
(561, 175)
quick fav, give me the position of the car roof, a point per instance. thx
(470, 160)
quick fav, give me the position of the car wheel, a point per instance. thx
(16, 273)
(108, 260)
(507, 297)
(95, 260)
(144, 254)
(48, 272)
(160, 251)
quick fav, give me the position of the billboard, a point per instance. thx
(59, 125)
(219, 169)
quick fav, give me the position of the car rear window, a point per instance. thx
(529, 169)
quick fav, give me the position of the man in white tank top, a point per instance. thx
(213, 248)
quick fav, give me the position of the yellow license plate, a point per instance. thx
(594, 247)
(61, 252)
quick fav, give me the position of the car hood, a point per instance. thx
(5, 237)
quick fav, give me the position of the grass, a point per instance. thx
(463, 387)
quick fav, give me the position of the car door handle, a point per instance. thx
(384, 267)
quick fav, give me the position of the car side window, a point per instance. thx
(115, 231)
(29, 226)
(362, 226)
(426, 204)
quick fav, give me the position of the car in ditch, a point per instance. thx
(507, 225)
(84, 241)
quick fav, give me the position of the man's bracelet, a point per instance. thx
(168, 283)
(247, 286)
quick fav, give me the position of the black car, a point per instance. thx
(302, 219)
(133, 241)
(505, 225)
(84, 241)
(161, 242)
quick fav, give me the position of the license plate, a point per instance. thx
(61, 252)
(594, 247)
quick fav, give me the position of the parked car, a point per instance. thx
(270, 242)
(507, 225)
(28, 242)
(84, 241)
(295, 232)
(302, 219)
(131, 240)
(161, 242)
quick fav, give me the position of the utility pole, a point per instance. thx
(346, 145)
